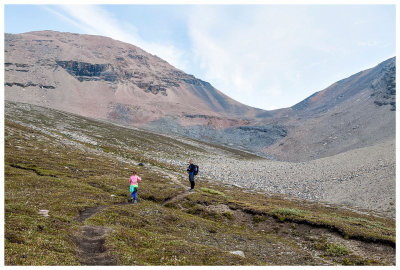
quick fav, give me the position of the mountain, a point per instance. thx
(355, 112)
(352, 113)
(102, 78)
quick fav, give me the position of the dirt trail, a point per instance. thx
(90, 240)
(87, 213)
(178, 197)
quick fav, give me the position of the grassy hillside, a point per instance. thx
(78, 169)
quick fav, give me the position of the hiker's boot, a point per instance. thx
(134, 201)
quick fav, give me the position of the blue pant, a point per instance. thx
(133, 194)
(191, 179)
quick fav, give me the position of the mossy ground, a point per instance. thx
(46, 170)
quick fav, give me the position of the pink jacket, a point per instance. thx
(134, 180)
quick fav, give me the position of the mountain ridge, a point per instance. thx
(102, 78)
(95, 58)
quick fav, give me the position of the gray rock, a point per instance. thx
(237, 252)
(44, 212)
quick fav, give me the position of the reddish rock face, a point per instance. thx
(103, 78)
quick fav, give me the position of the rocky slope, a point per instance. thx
(106, 79)
(103, 78)
(355, 112)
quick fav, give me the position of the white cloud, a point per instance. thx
(68, 20)
(256, 54)
(253, 54)
(370, 43)
(97, 21)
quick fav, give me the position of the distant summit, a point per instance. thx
(354, 112)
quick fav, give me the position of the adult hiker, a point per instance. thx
(192, 170)
(133, 180)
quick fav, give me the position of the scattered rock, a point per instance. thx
(237, 252)
(220, 209)
(44, 212)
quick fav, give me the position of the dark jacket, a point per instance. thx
(191, 169)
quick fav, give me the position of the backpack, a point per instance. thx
(196, 170)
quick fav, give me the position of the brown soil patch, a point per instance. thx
(91, 239)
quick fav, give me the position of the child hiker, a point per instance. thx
(134, 186)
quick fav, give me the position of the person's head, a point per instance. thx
(190, 161)
(134, 172)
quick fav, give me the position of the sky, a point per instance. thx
(265, 56)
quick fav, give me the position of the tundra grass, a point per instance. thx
(349, 224)
(64, 176)
(212, 191)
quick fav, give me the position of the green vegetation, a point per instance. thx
(46, 171)
(359, 261)
(349, 224)
(283, 213)
(228, 214)
(258, 218)
(212, 191)
(149, 234)
(333, 249)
